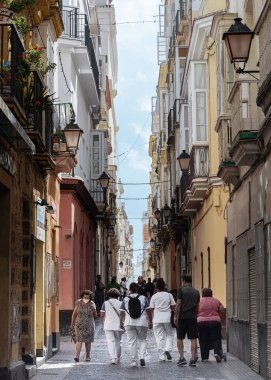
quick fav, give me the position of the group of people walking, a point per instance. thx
(137, 311)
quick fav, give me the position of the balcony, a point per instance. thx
(176, 113)
(195, 183)
(76, 27)
(246, 119)
(228, 172)
(171, 129)
(11, 48)
(97, 194)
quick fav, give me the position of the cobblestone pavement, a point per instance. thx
(62, 367)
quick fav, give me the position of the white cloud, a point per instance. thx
(141, 76)
(145, 104)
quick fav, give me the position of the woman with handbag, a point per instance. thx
(111, 317)
(162, 304)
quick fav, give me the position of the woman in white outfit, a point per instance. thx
(111, 317)
(162, 303)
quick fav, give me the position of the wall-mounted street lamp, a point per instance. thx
(104, 180)
(154, 229)
(238, 40)
(121, 265)
(184, 161)
(152, 243)
(157, 214)
(72, 134)
(104, 183)
(166, 211)
(44, 203)
(112, 220)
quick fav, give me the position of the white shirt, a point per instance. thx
(161, 302)
(112, 320)
(143, 320)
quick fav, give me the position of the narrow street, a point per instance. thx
(62, 366)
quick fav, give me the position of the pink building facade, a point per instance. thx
(76, 247)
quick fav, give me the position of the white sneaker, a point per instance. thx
(117, 361)
(113, 361)
(133, 363)
(162, 357)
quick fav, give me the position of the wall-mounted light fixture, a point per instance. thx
(184, 161)
(72, 134)
(41, 202)
(238, 40)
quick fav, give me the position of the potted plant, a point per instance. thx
(15, 5)
(22, 25)
(35, 57)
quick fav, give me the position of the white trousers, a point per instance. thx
(164, 334)
(137, 340)
(113, 338)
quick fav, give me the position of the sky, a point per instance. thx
(137, 79)
(138, 72)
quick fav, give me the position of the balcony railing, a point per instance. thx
(183, 8)
(198, 168)
(49, 129)
(176, 113)
(92, 56)
(11, 49)
(35, 91)
(96, 191)
(245, 115)
(171, 129)
(76, 26)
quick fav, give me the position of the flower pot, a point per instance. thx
(5, 14)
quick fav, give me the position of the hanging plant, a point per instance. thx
(35, 57)
(16, 5)
(22, 25)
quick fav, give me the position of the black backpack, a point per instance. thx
(134, 307)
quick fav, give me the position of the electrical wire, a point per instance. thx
(143, 126)
(62, 70)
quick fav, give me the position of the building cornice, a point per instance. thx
(77, 187)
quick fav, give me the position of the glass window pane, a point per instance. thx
(201, 130)
(200, 76)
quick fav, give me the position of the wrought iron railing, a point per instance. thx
(170, 124)
(176, 113)
(198, 167)
(74, 23)
(76, 26)
(92, 56)
(96, 191)
(35, 91)
(49, 128)
(183, 8)
(11, 51)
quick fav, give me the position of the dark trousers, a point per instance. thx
(209, 338)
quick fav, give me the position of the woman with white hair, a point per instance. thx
(111, 317)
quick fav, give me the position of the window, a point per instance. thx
(197, 98)
(201, 123)
(97, 153)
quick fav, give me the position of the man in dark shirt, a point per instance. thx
(185, 319)
(149, 288)
(141, 286)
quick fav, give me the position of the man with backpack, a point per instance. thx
(136, 316)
